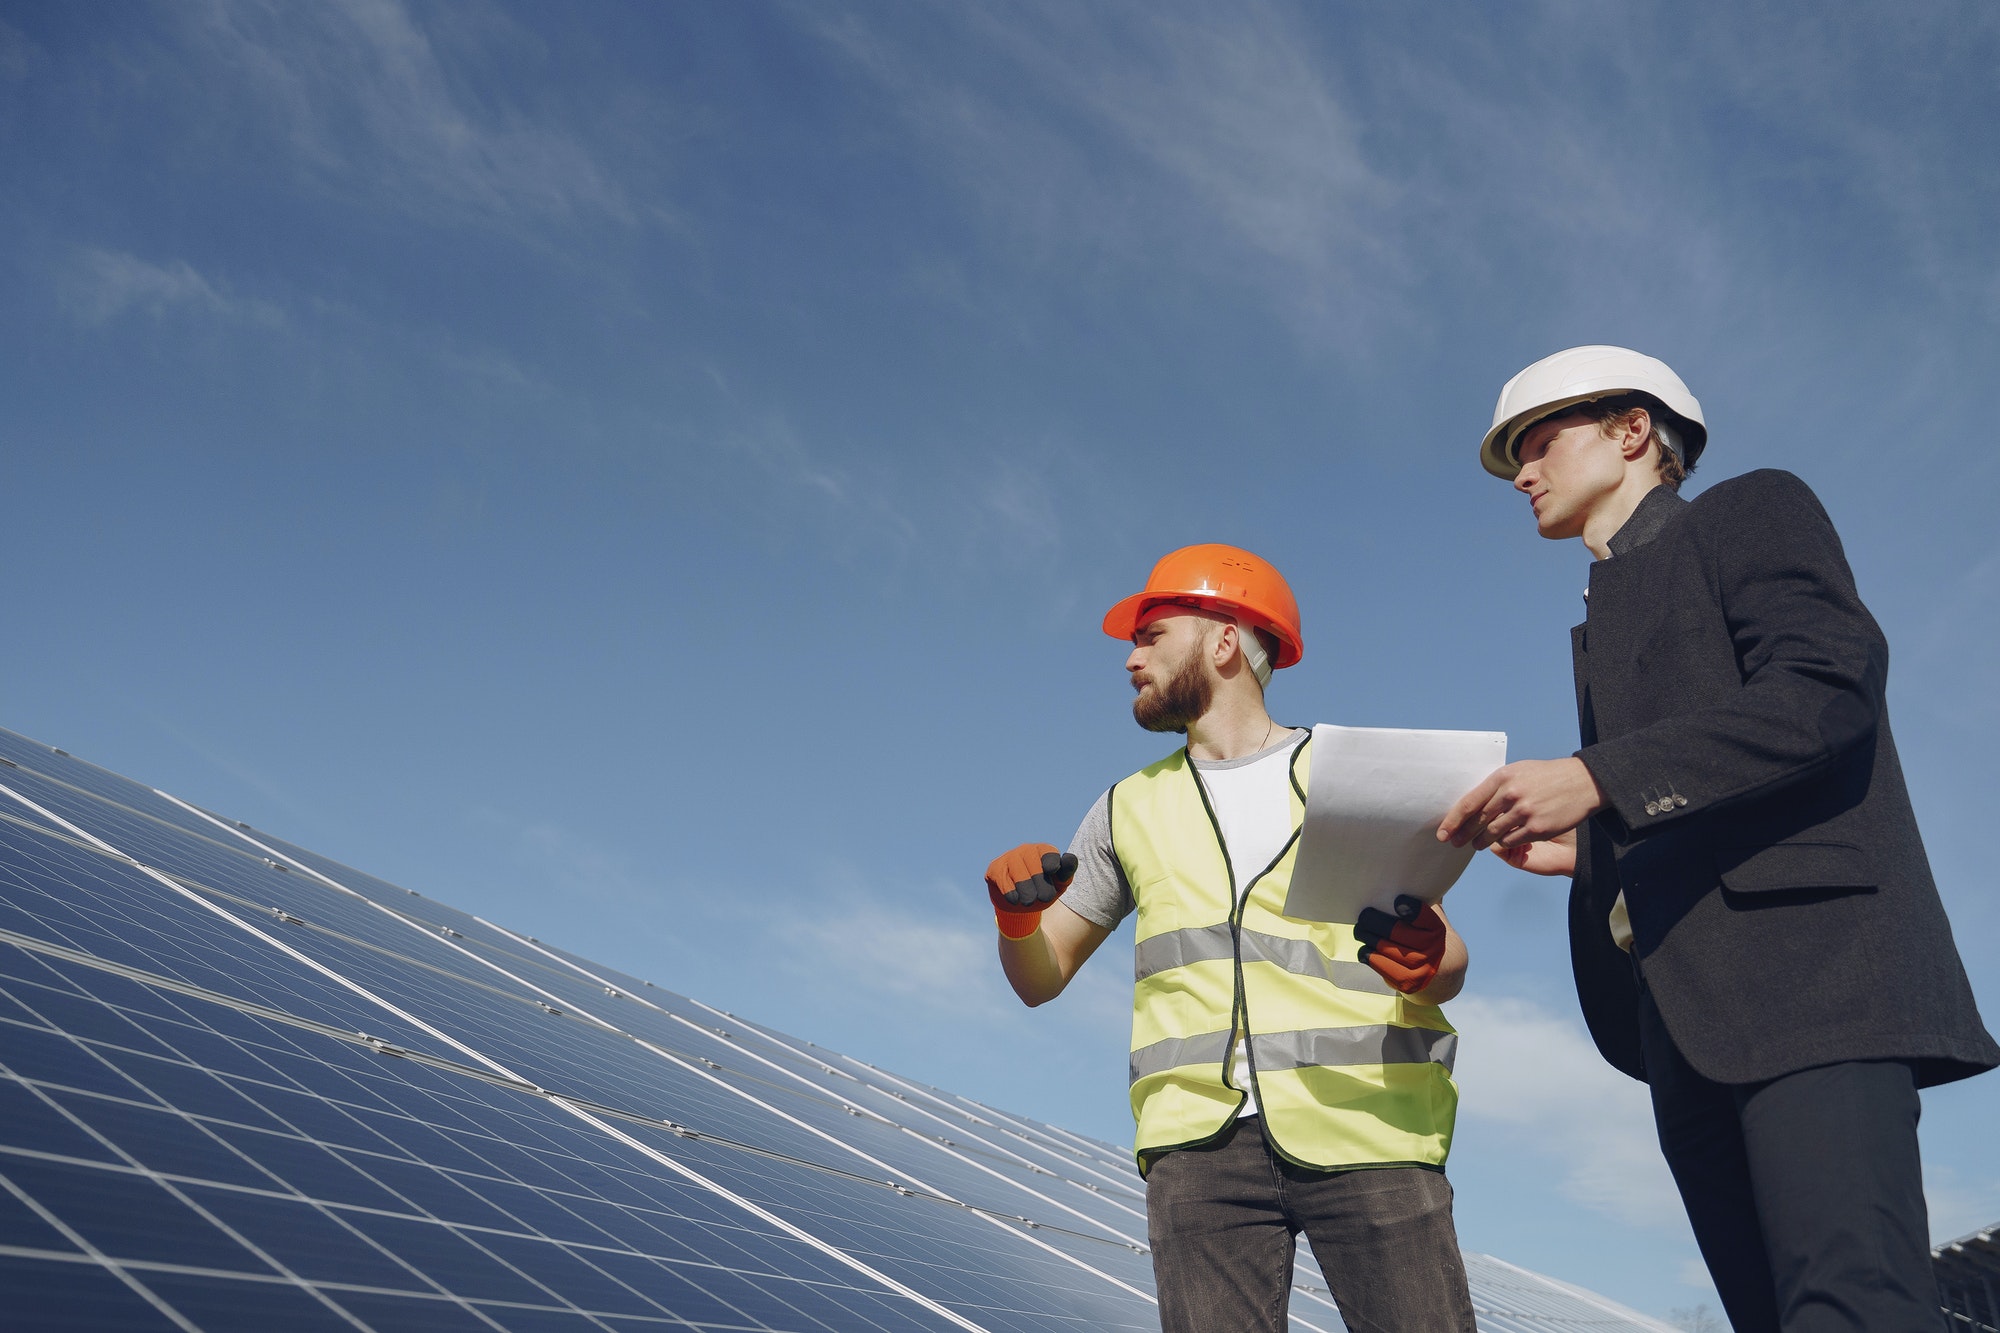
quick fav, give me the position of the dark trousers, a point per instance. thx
(1805, 1192)
(1225, 1217)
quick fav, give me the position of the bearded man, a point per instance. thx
(1287, 1076)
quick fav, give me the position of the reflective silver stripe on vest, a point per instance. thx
(1303, 958)
(1375, 1044)
(1178, 948)
(1203, 944)
(1177, 1052)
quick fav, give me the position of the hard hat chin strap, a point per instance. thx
(1253, 652)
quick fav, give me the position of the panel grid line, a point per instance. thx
(1129, 1241)
(246, 1086)
(798, 1233)
(704, 1074)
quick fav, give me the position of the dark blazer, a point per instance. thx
(1730, 687)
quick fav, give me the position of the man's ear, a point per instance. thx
(1637, 435)
(1220, 652)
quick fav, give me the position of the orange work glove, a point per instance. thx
(1024, 881)
(1406, 952)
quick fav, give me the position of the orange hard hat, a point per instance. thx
(1217, 578)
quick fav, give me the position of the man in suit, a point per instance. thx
(1753, 924)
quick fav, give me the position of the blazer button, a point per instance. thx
(1652, 807)
(1680, 800)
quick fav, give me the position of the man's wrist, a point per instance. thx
(1597, 797)
(1017, 925)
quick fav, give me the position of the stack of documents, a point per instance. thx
(1374, 799)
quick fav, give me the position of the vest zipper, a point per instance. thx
(1239, 1017)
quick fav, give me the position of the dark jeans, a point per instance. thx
(1805, 1192)
(1224, 1219)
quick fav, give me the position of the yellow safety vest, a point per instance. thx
(1348, 1072)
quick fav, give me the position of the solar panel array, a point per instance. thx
(1968, 1277)
(244, 1087)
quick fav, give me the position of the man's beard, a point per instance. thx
(1178, 703)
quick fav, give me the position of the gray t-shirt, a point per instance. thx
(1099, 893)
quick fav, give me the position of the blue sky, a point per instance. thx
(650, 474)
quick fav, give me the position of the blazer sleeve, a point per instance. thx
(1812, 659)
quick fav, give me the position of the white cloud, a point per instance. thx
(104, 284)
(1959, 1204)
(368, 105)
(1694, 1273)
(875, 948)
(776, 448)
(573, 867)
(1216, 137)
(943, 970)
(1334, 170)
(866, 502)
(1527, 1068)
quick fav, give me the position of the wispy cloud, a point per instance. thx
(238, 770)
(1214, 141)
(16, 52)
(1340, 168)
(778, 450)
(105, 284)
(1956, 638)
(568, 866)
(1881, 154)
(1020, 501)
(854, 498)
(1959, 1202)
(935, 969)
(1523, 1066)
(369, 106)
(1694, 1273)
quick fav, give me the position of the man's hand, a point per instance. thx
(1023, 882)
(1405, 953)
(1531, 800)
(1555, 856)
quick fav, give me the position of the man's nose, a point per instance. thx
(1524, 480)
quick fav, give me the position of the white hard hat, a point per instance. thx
(1582, 375)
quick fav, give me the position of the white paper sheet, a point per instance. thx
(1374, 799)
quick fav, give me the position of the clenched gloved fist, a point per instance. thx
(1024, 881)
(1405, 950)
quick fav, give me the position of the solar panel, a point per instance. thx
(1968, 1276)
(246, 1087)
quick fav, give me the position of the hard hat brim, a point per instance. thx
(1499, 451)
(1122, 620)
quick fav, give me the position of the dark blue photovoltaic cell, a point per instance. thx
(50, 762)
(447, 1192)
(222, 1125)
(54, 1297)
(353, 1217)
(22, 1226)
(128, 1215)
(89, 902)
(222, 1306)
(551, 1057)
